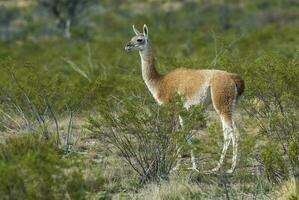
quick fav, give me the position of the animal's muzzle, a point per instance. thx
(128, 47)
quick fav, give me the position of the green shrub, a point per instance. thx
(272, 103)
(274, 164)
(148, 136)
(31, 168)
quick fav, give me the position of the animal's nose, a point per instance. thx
(128, 46)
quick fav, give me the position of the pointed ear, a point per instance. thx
(135, 30)
(145, 30)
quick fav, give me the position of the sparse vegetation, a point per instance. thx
(148, 137)
(66, 104)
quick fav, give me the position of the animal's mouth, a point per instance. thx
(128, 48)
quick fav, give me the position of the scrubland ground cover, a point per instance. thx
(77, 121)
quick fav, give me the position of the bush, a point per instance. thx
(148, 137)
(272, 101)
(33, 169)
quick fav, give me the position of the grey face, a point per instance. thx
(139, 41)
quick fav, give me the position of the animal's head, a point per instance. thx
(139, 41)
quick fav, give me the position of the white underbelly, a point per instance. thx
(202, 97)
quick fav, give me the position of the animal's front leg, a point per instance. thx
(178, 163)
(189, 140)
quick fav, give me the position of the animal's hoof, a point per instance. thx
(174, 169)
(216, 169)
(193, 169)
(230, 171)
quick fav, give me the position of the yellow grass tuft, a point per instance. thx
(174, 189)
(288, 190)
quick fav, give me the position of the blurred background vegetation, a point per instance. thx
(63, 67)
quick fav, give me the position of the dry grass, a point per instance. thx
(288, 190)
(174, 189)
(16, 3)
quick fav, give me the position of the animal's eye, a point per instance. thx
(139, 40)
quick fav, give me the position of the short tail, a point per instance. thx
(239, 83)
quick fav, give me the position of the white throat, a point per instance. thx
(149, 73)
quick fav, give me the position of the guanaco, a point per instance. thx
(199, 86)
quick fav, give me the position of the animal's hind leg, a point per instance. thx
(235, 138)
(223, 93)
(235, 141)
(228, 136)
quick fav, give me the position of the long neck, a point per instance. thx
(149, 72)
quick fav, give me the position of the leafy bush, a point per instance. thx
(31, 168)
(272, 102)
(274, 164)
(148, 137)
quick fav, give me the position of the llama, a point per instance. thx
(199, 86)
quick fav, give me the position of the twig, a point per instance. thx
(69, 130)
(58, 141)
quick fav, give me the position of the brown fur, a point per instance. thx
(223, 94)
(184, 81)
(189, 81)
